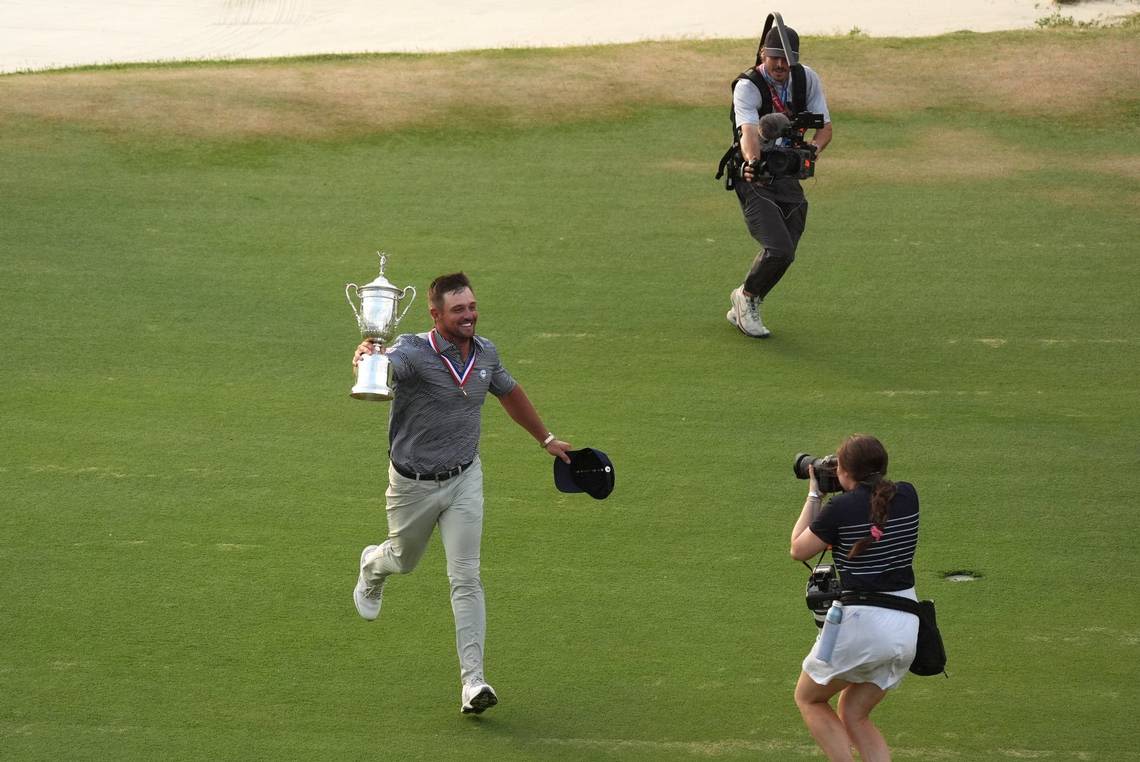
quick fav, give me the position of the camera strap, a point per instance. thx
(818, 561)
(729, 163)
(777, 102)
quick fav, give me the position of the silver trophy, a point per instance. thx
(377, 318)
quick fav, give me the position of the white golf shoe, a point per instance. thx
(478, 697)
(745, 314)
(366, 598)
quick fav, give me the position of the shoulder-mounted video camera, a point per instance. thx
(783, 150)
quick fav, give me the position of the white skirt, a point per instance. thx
(875, 645)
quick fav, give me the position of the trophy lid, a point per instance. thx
(381, 283)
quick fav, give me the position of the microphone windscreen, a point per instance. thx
(771, 125)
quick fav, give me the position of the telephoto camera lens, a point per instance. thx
(800, 466)
(825, 473)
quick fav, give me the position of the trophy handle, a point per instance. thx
(409, 305)
(355, 288)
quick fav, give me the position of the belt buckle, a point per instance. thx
(441, 476)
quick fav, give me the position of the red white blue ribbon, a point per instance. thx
(453, 367)
(777, 102)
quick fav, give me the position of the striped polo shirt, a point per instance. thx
(432, 425)
(885, 565)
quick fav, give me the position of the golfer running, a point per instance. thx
(441, 379)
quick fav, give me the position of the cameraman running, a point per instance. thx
(775, 210)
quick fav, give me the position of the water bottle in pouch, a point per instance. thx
(830, 632)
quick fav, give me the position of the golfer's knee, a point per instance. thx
(401, 560)
(464, 576)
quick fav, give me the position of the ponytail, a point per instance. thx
(865, 458)
(882, 492)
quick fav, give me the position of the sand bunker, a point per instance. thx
(44, 34)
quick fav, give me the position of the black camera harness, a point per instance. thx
(733, 159)
(868, 598)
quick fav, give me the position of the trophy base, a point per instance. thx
(371, 395)
(372, 382)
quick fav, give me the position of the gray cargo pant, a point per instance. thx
(777, 227)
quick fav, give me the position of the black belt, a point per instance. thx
(442, 476)
(882, 600)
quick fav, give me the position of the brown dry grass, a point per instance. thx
(937, 155)
(1032, 73)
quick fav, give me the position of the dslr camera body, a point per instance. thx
(822, 588)
(825, 471)
(823, 584)
(783, 151)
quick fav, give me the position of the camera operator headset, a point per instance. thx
(774, 208)
(872, 528)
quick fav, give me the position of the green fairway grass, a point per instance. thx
(186, 485)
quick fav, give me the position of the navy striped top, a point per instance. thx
(885, 565)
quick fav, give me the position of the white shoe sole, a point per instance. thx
(356, 594)
(480, 702)
(733, 319)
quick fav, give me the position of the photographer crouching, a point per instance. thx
(864, 649)
(773, 105)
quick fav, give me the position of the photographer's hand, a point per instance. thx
(821, 138)
(813, 483)
(805, 543)
(750, 150)
(749, 170)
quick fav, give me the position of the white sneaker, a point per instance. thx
(367, 599)
(478, 697)
(745, 314)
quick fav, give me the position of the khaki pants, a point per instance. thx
(414, 509)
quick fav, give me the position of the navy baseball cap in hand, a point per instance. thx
(588, 471)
